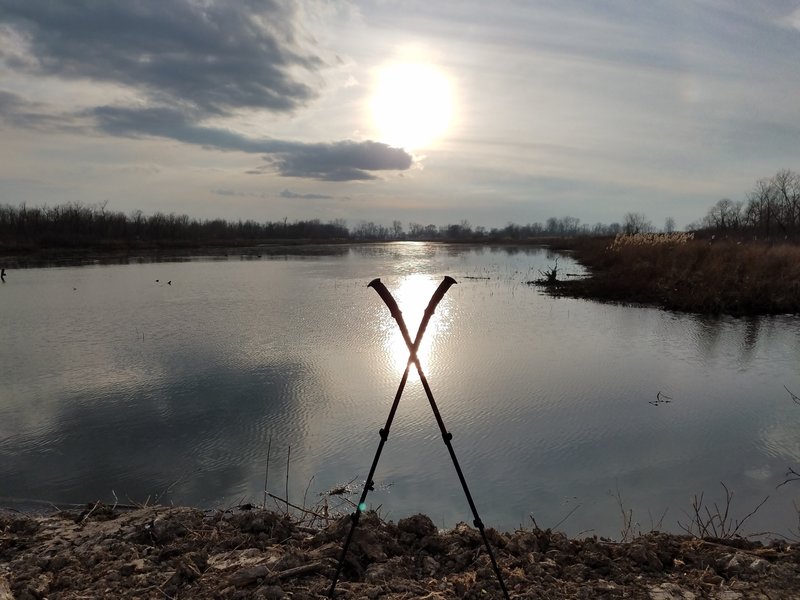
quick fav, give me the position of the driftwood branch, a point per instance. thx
(294, 506)
(251, 574)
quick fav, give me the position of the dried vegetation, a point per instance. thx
(678, 272)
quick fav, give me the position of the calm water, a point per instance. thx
(114, 384)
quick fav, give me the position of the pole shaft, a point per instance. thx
(446, 436)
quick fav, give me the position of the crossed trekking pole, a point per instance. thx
(369, 484)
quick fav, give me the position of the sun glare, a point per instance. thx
(413, 295)
(412, 105)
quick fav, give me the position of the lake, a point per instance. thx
(115, 383)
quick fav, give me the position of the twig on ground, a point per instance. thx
(266, 473)
(300, 508)
(288, 455)
(89, 514)
(251, 574)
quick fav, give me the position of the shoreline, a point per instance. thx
(247, 552)
(699, 276)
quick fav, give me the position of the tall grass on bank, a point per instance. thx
(678, 272)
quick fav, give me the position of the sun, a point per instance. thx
(412, 105)
(413, 294)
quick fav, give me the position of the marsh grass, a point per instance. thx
(682, 273)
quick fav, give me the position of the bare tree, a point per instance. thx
(397, 229)
(725, 214)
(787, 198)
(633, 223)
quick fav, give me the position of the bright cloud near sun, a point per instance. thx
(412, 105)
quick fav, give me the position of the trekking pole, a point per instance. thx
(384, 433)
(446, 435)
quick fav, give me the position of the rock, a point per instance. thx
(429, 566)
(248, 575)
(670, 591)
(758, 565)
(132, 567)
(5, 590)
(739, 563)
(419, 525)
(644, 556)
(271, 592)
(378, 573)
(726, 595)
(165, 529)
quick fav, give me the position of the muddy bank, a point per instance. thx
(163, 552)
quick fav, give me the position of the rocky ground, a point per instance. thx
(165, 552)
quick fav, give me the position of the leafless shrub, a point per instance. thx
(629, 530)
(707, 520)
(549, 276)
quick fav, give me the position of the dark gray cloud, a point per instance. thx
(333, 161)
(340, 161)
(214, 55)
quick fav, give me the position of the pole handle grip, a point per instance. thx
(397, 314)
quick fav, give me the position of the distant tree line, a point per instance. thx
(464, 231)
(77, 224)
(772, 208)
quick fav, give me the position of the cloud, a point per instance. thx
(215, 55)
(288, 194)
(793, 20)
(17, 111)
(332, 161)
(185, 61)
(340, 161)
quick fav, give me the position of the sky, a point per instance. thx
(427, 112)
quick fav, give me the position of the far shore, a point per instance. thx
(737, 277)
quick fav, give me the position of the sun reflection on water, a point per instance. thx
(412, 295)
